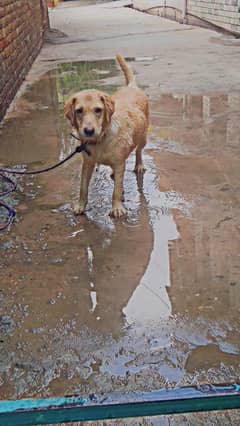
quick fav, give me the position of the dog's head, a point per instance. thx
(89, 112)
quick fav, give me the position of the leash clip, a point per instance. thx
(82, 148)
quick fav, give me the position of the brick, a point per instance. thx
(22, 29)
(224, 13)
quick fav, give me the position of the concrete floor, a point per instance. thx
(170, 58)
(184, 58)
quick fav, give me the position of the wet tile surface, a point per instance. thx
(92, 304)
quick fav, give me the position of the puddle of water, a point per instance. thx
(89, 304)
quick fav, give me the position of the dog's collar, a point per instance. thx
(85, 144)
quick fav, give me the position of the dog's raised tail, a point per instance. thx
(129, 76)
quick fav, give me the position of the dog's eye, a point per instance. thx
(98, 110)
(79, 110)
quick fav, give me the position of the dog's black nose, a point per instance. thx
(88, 131)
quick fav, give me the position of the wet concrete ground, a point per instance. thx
(91, 304)
(186, 59)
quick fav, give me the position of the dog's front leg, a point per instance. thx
(87, 169)
(117, 208)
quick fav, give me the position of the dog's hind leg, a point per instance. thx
(139, 168)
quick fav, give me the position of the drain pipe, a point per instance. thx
(184, 11)
(164, 8)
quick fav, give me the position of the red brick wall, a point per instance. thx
(22, 26)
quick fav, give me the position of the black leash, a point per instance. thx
(13, 185)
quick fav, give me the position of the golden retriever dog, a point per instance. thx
(112, 127)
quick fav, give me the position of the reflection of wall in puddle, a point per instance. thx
(205, 108)
(233, 123)
(205, 262)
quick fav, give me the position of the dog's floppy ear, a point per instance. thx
(69, 109)
(109, 107)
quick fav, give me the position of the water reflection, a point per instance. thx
(206, 170)
(152, 288)
(149, 301)
(92, 304)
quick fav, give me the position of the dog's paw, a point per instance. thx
(118, 211)
(79, 208)
(139, 169)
